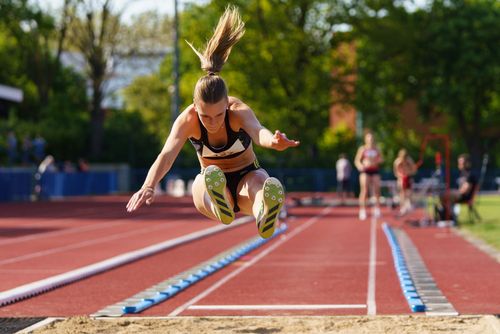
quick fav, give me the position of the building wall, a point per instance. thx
(343, 113)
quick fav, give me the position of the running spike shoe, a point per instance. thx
(215, 181)
(272, 201)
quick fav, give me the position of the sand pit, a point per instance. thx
(268, 325)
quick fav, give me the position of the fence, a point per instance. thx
(19, 184)
(310, 179)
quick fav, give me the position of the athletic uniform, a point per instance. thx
(403, 170)
(237, 144)
(370, 154)
(406, 182)
(466, 176)
(343, 168)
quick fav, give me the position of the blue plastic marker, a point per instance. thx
(404, 276)
(202, 273)
(417, 305)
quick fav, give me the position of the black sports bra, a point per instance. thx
(237, 143)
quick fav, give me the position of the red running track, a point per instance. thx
(323, 261)
(325, 265)
(58, 242)
(466, 276)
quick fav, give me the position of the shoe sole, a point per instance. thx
(273, 199)
(362, 217)
(215, 181)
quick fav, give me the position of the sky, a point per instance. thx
(133, 7)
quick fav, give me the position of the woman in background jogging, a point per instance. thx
(222, 129)
(404, 168)
(367, 161)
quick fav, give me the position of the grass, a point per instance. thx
(488, 228)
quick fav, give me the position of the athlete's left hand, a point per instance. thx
(144, 195)
(280, 141)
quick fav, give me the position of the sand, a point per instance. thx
(269, 325)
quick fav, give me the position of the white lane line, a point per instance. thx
(370, 300)
(277, 307)
(49, 283)
(245, 266)
(91, 242)
(38, 236)
(70, 220)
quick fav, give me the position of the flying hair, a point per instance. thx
(228, 32)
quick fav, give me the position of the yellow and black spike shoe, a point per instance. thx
(272, 201)
(215, 181)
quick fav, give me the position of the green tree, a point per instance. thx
(104, 40)
(446, 57)
(54, 97)
(94, 33)
(334, 142)
(149, 96)
(457, 63)
(128, 139)
(27, 33)
(281, 67)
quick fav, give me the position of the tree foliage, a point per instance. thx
(458, 69)
(281, 67)
(376, 54)
(149, 96)
(446, 57)
(54, 97)
(94, 33)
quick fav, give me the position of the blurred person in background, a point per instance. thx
(26, 150)
(221, 128)
(11, 148)
(343, 168)
(368, 159)
(38, 148)
(48, 165)
(82, 165)
(404, 168)
(467, 188)
(68, 167)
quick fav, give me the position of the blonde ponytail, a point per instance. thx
(228, 32)
(211, 87)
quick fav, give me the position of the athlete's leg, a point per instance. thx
(402, 195)
(363, 192)
(261, 196)
(250, 192)
(342, 184)
(215, 203)
(408, 198)
(375, 185)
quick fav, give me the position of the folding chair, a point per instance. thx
(473, 213)
(471, 204)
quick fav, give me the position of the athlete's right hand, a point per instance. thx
(144, 195)
(280, 141)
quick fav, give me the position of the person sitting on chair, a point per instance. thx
(467, 184)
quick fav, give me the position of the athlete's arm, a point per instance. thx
(395, 167)
(465, 187)
(357, 159)
(413, 166)
(259, 134)
(380, 158)
(180, 132)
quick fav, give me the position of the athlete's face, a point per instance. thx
(369, 140)
(212, 115)
(462, 163)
